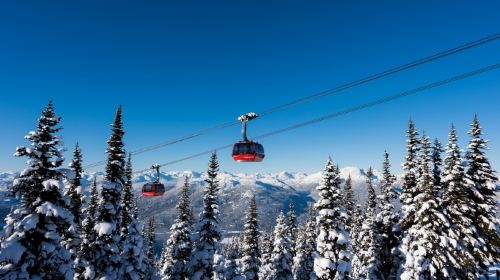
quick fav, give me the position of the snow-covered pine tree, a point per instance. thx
(303, 263)
(299, 250)
(84, 268)
(348, 203)
(107, 261)
(266, 254)
(333, 259)
(485, 203)
(424, 244)
(459, 208)
(163, 257)
(437, 163)
(221, 265)
(149, 234)
(355, 229)
(177, 249)
(127, 211)
(410, 167)
(133, 255)
(73, 192)
(292, 227)
(388, 225)
(31, 244)
(240, 243)
(209, 236)
(250, 249)
(229, 262)
(281, 258)
(368, 243)
(132, 243)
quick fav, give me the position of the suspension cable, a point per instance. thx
(350, 110)
(310, 98)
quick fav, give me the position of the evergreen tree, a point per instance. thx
(425, 245)
(355, 230)
(281, 259)
(73, 191)
(229, 262)
(265, 258)
(459, 208)
(250, 250)
(107, 261)
(388, 225)
(485, 205)
(149, 235)
(209, 236)
(437, 163)
(84, 265)
(127, 211)
(133, 256)
(369, 238)
(163, 257)
(31, 243)
(333, 259)
(177, 249)
(132, 251)
(241, 243)
(303, 263)
(348, 203)
(292, 227)
(409, 187)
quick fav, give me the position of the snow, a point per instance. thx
(51, 183)
(29, 222)
(104, 228)
(51, 210)
(247, 116)
(11, 251)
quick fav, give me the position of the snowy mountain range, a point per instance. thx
(274, 192)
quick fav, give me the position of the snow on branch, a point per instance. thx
(247, 117)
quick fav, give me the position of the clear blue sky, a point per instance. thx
(181, 66)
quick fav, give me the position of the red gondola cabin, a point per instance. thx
(248, 151)
(153, 189)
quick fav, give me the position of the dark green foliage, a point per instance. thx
(127, 199)
(427, 255)
(108, 222)
(458, 207)
(332, 243)
(209, 236)
(410, 167)
(292, 227)
(437, 163)
(485, 203)
(177, 249)
(348, 203)
(388, 225)
(86, 254)
(368, 243)
(116, 153)
(303, 263)
(250, 250)
(75, 188)
(38, 227)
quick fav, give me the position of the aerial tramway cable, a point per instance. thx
(310, 98)
(350, 110)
